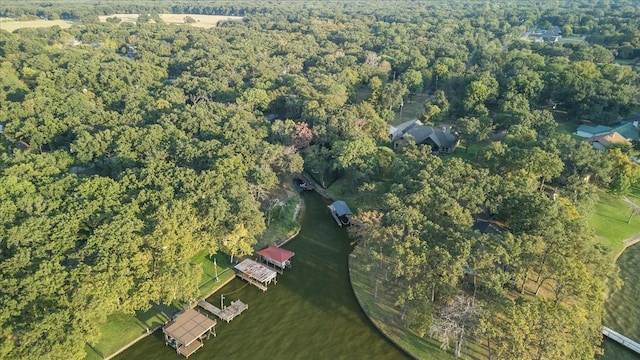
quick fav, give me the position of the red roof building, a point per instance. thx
(276, 256)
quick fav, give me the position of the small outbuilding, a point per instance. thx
(276, 256)
(341, 212)
(187, 330)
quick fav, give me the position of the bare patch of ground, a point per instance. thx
(12, 25)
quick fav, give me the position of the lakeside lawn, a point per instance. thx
(610, 216)
(121, 329)
(385, 315)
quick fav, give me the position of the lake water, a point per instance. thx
(623, 307)
(311, 313)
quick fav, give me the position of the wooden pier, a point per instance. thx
(255, 273)
(248, 278)
(228, 313)
(620, 339)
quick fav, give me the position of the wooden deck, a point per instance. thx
(257, 284)
(228, 313)
(620, 339)
(255, 273)
(187, 351)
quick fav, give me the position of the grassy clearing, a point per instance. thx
(203, 21)
(570, 39)
(222, 267)
(11, 26)
(386, 316)
(121, 329)
(610, 216)
(628, 62)
(413, 107)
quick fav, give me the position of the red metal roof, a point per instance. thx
(276, 253)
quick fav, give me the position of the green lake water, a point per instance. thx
(623, 307)
(311, 313)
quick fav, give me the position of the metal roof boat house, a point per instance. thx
(341, 212)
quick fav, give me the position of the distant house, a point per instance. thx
(588, 131)
(628, 130)
(603, 137)
(441, 140)
(603, 142)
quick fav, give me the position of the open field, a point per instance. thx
(11, 25)
(570, 39)
(203, 21)
(610, 217)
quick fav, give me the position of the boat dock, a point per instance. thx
(252, 282)
(255, 274)
(620, 339)
(228, 313)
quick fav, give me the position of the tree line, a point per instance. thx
(127, 148)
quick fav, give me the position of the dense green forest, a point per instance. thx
(128, 147)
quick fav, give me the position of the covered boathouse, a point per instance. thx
(276, 256)
(187, 330)
(341, 212)
(255, 273)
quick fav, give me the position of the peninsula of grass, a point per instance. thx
(383, 313)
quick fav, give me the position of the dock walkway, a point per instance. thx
(620, 339)
(228, 313)
(251, 281)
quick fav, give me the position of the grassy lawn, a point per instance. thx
(610, 216)
(208, 281)
(11, 26)
(121, 329)
(386, 316)
(411, 109)
(570, 39)
(470, 154)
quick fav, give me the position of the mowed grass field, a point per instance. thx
(11, 25)
(610, 219)
(203, 21)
